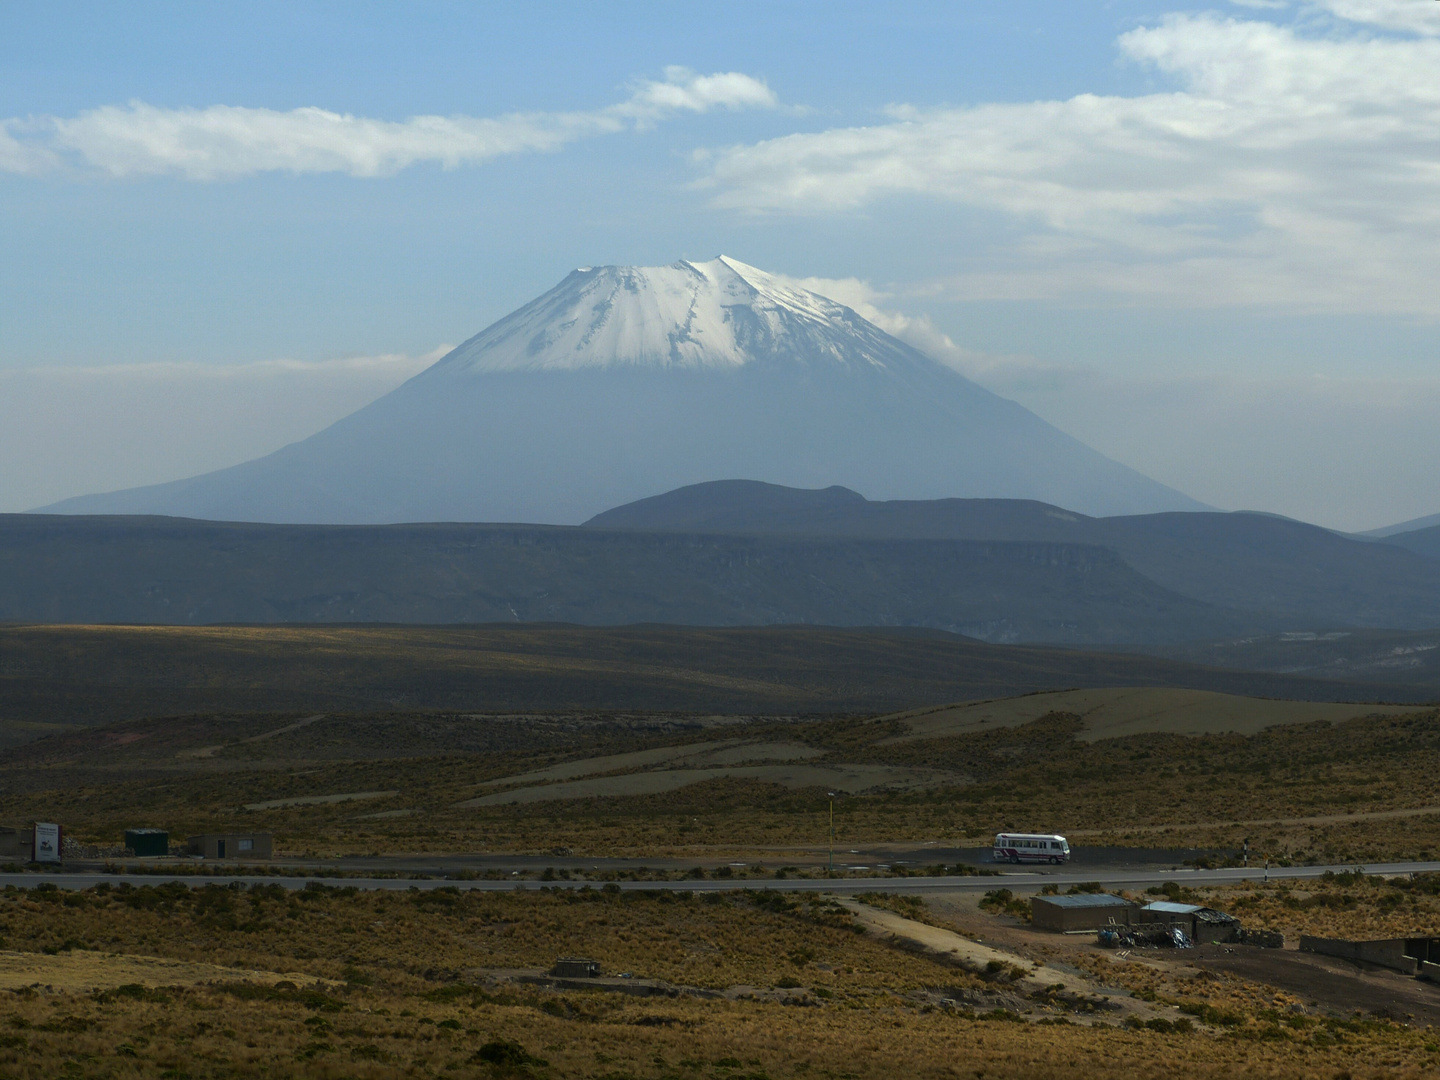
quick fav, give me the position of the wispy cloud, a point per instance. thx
(386, 367)
(227, 141)
(1416, 16)
(69, 430)
(22, 156)
(1288, 166)
(877, 305)
(684, 91)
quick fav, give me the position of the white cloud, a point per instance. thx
(385, 366)
(917, 330)
(1416, 16)
(224, 141)
(17, 156)
(1287, 168)
(683, 90)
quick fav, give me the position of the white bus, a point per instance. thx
(1031, 847)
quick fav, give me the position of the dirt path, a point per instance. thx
(839, 777)
(211, 751)
(319, 800)
(1039, 978)
(287, 729)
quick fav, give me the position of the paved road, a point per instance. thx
(1016, 880)
(866, 857)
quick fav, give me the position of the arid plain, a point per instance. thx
(689, 855)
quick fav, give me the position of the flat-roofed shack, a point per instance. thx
(254, 845)
(1080, 911)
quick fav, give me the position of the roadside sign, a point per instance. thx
(47, 842)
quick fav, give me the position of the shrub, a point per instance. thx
(1209, 1014)
(506, 1053)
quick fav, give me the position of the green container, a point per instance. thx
(148, 841)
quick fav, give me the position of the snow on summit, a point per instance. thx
(624, 382)
(721, 313)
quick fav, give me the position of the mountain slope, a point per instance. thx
(63, 569)
(1413, 525)
(622, 382)
(53, 677)
(1302, 574)
(1421, 541)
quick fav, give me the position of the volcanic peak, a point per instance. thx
(716, 314)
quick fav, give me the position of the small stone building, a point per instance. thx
(1080, 911)
(1201, 924)
(248, 845)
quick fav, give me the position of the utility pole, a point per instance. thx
(832, 831)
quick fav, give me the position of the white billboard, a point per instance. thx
(47, 842)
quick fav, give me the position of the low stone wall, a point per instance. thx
(1388, 952)
(1261, 939)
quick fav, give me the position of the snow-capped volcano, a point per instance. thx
(720, 313)
(623, 382)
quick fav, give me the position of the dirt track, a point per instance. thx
(1116, 712)
(952, 948)
(1327, 984)
(839, 777)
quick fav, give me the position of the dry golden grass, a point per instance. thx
(400, 1009)
(409, 938)
(1317, 792)
(1351, 906)
(76, 969)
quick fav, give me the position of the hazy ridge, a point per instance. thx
(1299, 574)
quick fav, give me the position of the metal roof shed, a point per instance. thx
(1201, 923)
(1080, 911)
(1171, 908)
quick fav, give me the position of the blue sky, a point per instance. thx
(1201, 239)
